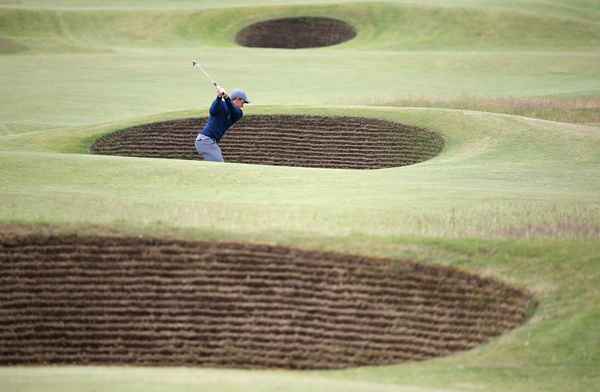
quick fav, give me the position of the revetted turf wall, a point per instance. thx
(114, 301)
(296, 33)
(310, 141)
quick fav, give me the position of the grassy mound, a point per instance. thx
(492, 171)
(379, 26)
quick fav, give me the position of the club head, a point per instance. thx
(194, 63)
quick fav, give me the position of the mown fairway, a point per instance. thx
(510, 197)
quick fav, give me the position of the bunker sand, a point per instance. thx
(296, 33)
(309, 141)
(133, 301)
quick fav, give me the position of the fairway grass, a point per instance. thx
(512, 195)
(499, 176)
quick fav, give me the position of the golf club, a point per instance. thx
(197, 65)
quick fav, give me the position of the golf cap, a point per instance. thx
(237, 93)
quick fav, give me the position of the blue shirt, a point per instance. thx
(222, 116)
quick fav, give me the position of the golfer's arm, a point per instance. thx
(216, 108)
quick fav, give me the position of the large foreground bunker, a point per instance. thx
(135, 301)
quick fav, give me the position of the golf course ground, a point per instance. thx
(416, 208)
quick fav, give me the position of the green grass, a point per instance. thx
(510, 196)
(494, 169)
(84, 89)
(380, 26)
(585, 110)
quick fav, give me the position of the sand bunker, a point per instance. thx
(133, 301)
(310, 141)
(295, 33)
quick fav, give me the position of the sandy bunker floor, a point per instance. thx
(310, 141)
(110, 300)
(296, 33)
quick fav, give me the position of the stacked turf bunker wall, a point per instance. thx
(113, 301)
(309, 141)
(296, 33)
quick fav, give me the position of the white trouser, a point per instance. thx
(209, 149)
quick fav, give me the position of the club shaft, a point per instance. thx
(201, 68)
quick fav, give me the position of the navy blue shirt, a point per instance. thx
(222, 116)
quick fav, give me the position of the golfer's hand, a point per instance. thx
(221, 92)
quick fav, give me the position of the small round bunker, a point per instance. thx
(90, 300)
(296, 33)
(283, 140)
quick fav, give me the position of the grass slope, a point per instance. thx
(380, 26)
(495, 169)
(74, 70)
(84, 67)
(49, 91)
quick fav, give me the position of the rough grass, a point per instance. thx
(88, 89)
(9, 46)
(572, 110)
(379, 26)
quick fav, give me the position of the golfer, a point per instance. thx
(225, 111)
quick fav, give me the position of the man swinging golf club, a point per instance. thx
(225, 111)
